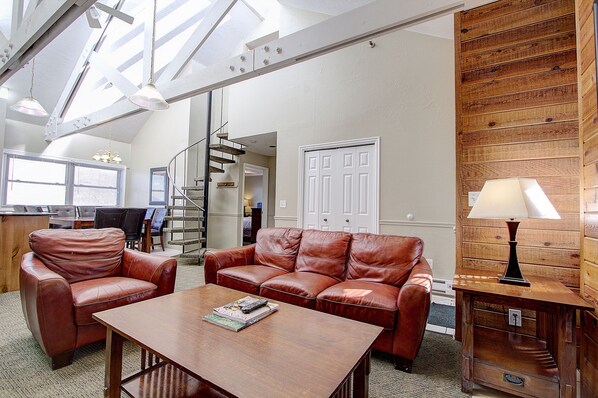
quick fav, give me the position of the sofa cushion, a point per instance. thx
(299, 288)
(246, 278)
(95, 295)
(383, 258)
(80, 254)
(277, 247)
(324, 252)
(369, 302)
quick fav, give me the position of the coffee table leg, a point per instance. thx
(114, 363)
(361, 376)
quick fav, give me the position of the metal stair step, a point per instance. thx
(183, 230)
(215, 170)
(192, 188)
(227, 149)
(181, 242)
(220, 159)
(181, 207)
(200, 179)
(181, 197)
(222, 135)
(184, 218)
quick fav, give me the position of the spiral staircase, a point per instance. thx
(189, 178)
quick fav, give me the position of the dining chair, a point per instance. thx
(109, 217)
(19, 208)
(86, 211)
(158, 226)
(34, 209)
(132, 225)
(63, 210)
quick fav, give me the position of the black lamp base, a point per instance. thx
(512, 275)
(514, 281)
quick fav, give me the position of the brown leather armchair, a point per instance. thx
(70, 274)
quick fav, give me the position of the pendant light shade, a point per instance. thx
(29, 105)
(148, 97)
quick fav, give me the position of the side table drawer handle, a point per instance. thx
(515, 380)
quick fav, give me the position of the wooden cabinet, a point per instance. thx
(542, 366)
(15, 229)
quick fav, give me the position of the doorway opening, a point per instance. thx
(255, 201)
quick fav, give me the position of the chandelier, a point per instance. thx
(107, 156)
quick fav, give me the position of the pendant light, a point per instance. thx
(148, 97)
(106, 155)
(29, 105)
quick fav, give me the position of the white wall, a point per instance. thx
(402, 90)
(161, 137)
(253, 189)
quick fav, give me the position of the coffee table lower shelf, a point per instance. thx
(165, 380)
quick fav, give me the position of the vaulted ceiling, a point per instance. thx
(71, 84)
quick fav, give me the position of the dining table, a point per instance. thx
(88, 222)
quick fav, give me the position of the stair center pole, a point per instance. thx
(206, 181)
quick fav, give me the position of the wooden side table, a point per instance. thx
(542, 366)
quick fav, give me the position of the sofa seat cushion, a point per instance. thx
(96, 295)
(369, 302)
(299, 288)
(247, 278)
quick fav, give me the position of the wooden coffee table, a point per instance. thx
(294, 352)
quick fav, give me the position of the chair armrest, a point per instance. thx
(47, 304)
(216, 260)
(160, 271)
(414, 305)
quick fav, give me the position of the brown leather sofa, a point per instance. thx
(70, 274)
(378, 279)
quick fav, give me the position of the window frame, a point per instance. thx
(70, 166)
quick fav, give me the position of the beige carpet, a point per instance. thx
(25, 370)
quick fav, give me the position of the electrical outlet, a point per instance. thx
(514, 317)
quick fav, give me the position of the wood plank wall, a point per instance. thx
(517, 115)
(588, 131)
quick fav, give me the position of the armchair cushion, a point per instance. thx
(79, 254)
(247, 278)
(98, 295)
(278, 247)
(324, 252)
(299, 288)
(369, 302)
(383, 258)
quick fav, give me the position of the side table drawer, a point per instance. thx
(494, 376)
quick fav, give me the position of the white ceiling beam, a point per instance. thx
(45, 23)
(114, 76)
(215, 15)
(17, 16)
(374, 19)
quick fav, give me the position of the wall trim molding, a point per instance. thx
(422, 224)
(285, 218)
(218, 214)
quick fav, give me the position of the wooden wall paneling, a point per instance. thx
(587, 99)
(517, 108)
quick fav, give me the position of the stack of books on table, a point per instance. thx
(231, 316)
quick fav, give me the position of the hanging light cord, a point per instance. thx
(151, 79)
(32, 74)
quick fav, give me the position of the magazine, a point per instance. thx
(233, 311)
(225, 322)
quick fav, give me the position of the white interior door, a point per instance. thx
(339, 189)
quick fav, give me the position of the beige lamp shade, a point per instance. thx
(246, 203)
(513, 198)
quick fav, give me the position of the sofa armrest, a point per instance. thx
(160, 271)
(414, 305)
(47, 304)
(224, 258)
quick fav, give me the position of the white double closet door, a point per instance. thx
(339, 191)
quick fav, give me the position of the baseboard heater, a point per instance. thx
(442, 292)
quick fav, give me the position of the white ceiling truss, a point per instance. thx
(373, 19)
(33, 28)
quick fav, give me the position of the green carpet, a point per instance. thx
(25, 371)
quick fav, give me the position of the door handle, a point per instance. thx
(347, 220)
(325, 220)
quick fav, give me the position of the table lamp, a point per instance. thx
(513, 198)
(247, 206)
